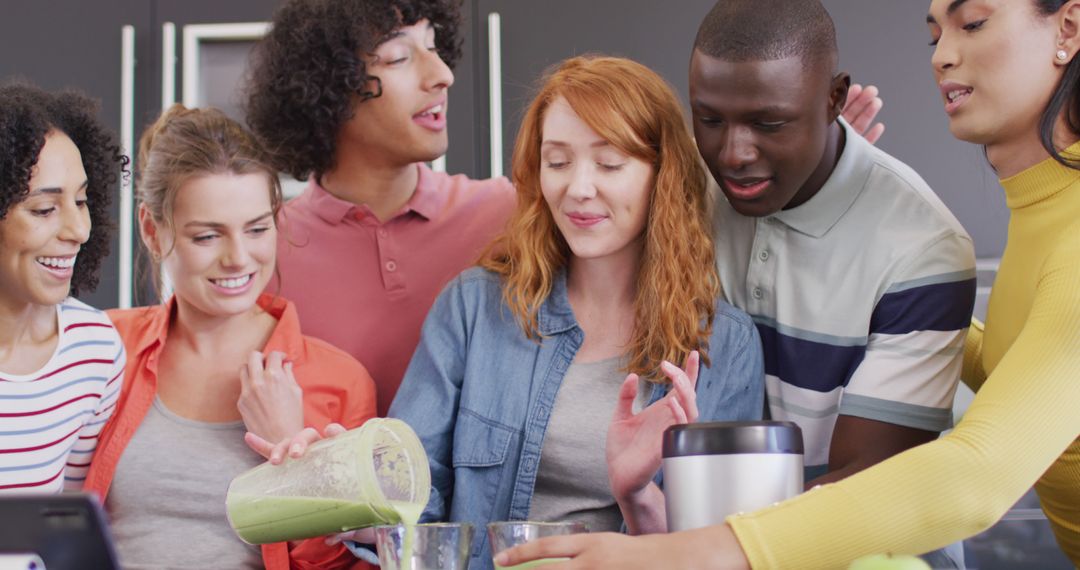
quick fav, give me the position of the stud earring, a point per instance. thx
(1062, 55)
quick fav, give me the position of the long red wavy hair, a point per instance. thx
(636, 111)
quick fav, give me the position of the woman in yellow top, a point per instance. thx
(1009, 76)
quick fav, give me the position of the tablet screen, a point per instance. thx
(67, 531)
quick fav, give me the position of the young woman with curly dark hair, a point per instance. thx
(353, 95)
(61, 361)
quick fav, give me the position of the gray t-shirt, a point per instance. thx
(572, 481)
(167, 499)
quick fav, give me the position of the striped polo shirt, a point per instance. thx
(50, 419)
(862, 296)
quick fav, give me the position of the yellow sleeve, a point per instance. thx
(1023, 419)
(973, 373)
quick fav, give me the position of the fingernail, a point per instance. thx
(295, 449)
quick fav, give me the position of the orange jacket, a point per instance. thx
(336, 387)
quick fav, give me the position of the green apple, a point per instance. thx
(889, 562)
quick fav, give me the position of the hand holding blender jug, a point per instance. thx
(376, 474)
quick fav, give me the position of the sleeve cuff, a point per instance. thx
(365, 552)
(899, 413)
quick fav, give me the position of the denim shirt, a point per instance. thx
(479, 393)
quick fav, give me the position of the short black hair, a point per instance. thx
(27, 114)
(767, 30)
(307, 70)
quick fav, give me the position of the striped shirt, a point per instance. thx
(50, 419)
(862, 297)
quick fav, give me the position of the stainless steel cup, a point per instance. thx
(712, 470)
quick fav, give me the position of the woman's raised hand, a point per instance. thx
(271, 402)
(634, 440)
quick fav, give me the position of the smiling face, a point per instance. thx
(598, 195)
(763, 127)
(407, 122)
(40, 236)
(219, 251)
(994, 61)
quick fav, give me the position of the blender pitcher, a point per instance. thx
(375, 474)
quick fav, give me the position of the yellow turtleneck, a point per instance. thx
(1023, 427)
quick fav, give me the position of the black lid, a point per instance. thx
(727, 438)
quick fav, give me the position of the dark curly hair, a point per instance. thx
(27, 113)
(308, 70)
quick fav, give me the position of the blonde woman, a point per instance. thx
(217, 361)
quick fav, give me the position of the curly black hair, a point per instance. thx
(306, 72)
(27, 113)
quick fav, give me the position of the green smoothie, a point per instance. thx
(532, 564)
(409, 514)
(262, 519)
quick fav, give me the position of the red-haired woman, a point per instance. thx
(604, 278)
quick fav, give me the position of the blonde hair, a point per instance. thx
(187, 143)
(636, 111)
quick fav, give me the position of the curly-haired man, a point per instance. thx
(352, 95)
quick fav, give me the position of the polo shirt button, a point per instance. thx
(764, 255)
(383, 232)
(391, 266)
(757, 293)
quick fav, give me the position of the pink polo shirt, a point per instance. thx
(366, 286)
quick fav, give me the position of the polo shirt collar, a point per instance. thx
(330, 208)
(556, 315)
(819, 214)
(426, 200)
(285, 338)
